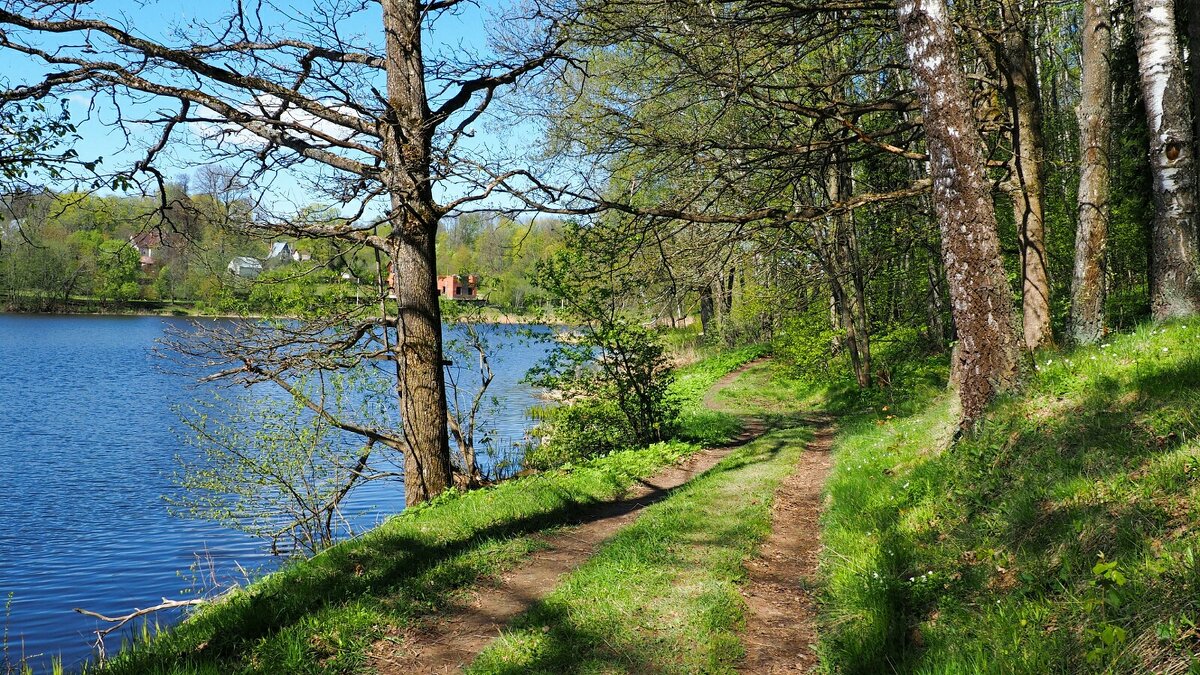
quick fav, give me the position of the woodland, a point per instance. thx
(893, 200)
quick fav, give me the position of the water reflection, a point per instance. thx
(88, 444)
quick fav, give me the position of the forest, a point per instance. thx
(948, 245)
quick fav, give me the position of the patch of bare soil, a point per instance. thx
(450, 640)
(780, 635)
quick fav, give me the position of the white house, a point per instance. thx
(281, 251)
(244, 266)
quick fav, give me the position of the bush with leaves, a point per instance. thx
(277, 470)
(611, 374)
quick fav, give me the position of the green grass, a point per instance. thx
(321, 615)
(661, 596)
(1058, 538)
(699, 424)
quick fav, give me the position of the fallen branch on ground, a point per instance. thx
(119, 621)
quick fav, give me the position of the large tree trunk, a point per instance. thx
(1024, 102)
(418, 350)
(1091, 237)
(1173, 273)
(987, 351)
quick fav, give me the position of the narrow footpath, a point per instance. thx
(779, 628)
(780, 634)
(448, 641)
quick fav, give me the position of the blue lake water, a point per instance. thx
(89, 439)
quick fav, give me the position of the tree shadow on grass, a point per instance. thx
(578, 635)
(399, 574)
(1033, 499)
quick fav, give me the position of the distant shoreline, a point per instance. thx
(497, 317)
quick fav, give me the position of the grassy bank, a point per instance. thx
(699, 422)
(1060, 538)
(321, 615)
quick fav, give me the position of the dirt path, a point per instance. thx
(780, 624)
(448, 641)
(710, 397)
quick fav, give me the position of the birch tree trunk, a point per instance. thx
(418, 350)
(1024, 102)
(841, 260)
(987, 352)
(1173, 255)
(1193, 23)
(1091, 237)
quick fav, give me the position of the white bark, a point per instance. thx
(1173, 265)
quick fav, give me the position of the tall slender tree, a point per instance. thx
(1019, 67)
(1193, 24)
(1174, 255)
(986, 358)
(1091, 236)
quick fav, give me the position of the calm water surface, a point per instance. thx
(88, 442)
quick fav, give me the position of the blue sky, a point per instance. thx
(102, 136)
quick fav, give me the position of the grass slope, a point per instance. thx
(701, 424)
(1061, 538)
(321, 615)
(661, 596)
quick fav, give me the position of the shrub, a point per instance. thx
(584, 429)
(607, 363)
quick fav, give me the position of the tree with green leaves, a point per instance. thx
(35, 138)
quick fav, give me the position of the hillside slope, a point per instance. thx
(1062, 537)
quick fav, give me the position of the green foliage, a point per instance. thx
(32, 138)
(296, 291)
(72, 251)
(805, 342)
(616, 369)
(587, 427)
(117, 271)
(276, 470)
(503, 252)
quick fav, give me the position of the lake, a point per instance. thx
(89, 440)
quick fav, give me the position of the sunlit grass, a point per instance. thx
(323, 614)
(662, 596)
(698, 423)
(1058, 538)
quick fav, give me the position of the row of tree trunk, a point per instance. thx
(987, 355)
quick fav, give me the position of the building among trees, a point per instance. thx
(459, 286)
(245, 266)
